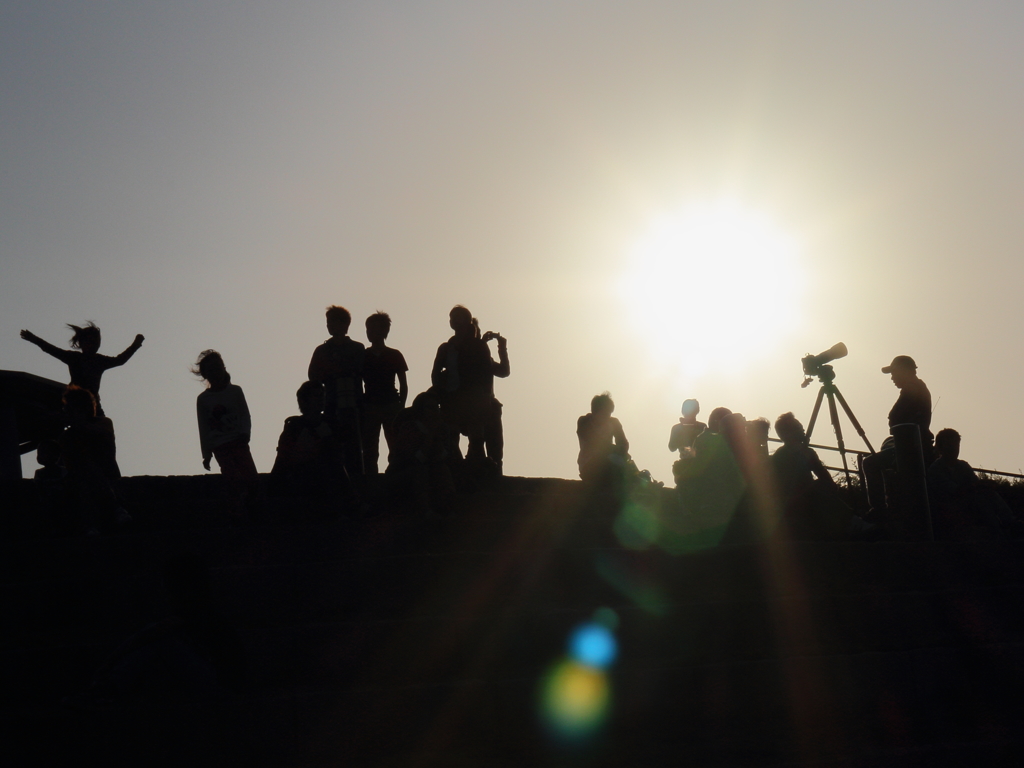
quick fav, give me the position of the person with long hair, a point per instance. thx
(85, 364)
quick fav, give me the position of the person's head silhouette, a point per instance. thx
(902, 370)
(338, 321)
(461, 321)
(690, 409)
(86, 338)
(602, 405)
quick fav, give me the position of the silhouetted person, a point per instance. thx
(757, 432)
(686, 431)
(960, 500)
(308, 461)
(463, 374)
(83, 360)
(709, 481)
(224, 430)
(338, 365)
(192, 654)
(419, 455)
(808, 495)
(50, 482)
(913, 406)
(382, 402)
(604, 449)
(90, 457)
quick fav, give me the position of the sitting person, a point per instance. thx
(418, 468)
(686, 431)
(807, 494)
(757, 432)
(960, 500)
(308, 461)
(604, 449)
(50, 483)
(88, 450)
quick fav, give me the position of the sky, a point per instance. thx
(661, 200)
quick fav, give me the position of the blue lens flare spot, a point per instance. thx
(593, 645)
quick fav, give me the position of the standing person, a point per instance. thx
(382, 365)
(83, 360)
(463, 373)
(913, 406)
(686, 431)
(604, 448)
(338, 365)
(224, 429)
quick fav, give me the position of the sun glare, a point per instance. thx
(712, 287)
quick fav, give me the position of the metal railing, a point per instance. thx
(979, 470)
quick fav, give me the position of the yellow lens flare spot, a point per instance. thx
(574, 700)
(712, 286)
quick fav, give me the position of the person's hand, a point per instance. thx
(206, 464)
(139, 338)
(28, 335)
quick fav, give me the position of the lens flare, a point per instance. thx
(606, 617)
(636, 526)
(575, 701)
(593, 645)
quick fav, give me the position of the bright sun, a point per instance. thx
(713, 287)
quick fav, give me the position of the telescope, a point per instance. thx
(815, 365)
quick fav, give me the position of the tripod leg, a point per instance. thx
(814, 413)
(838, 429)
(853, 419)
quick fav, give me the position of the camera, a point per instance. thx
(815, 365)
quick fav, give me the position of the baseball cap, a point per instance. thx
(900, 361)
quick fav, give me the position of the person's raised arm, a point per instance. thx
(47, 347)
(125, 356)
(501, 369)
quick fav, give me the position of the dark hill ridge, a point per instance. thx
(388, 641)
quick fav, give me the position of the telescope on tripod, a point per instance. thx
(817, 366)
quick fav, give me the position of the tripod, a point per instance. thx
(826, 375)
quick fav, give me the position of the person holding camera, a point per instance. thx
(463, 374)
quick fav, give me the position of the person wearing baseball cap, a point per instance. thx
(913, 406)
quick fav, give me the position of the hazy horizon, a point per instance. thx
(215, 175)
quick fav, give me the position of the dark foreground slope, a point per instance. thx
(389, 641)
